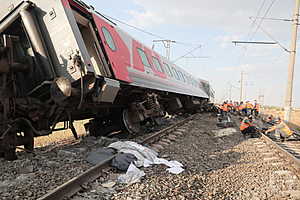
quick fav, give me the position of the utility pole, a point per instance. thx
(167, 45)
(242, 85)
(291, 67)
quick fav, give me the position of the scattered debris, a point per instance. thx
(224, 132)
(132, 175)
(100, 155)
(123, 160)
(109, 184)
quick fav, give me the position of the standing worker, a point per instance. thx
(230, 105)
(224, 109)
(282, 129)
(256, 108)
(242, 108)
(249, 107)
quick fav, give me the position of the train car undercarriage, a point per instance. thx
(34, 97)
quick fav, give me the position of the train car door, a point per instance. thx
(116, 49)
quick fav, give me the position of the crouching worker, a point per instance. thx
(281, 129)
(247, 127)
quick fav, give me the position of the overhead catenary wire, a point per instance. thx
(145, 31)
(189, 52)
(272, 38)
(257, 16)
(258, 25)
(274, 19)
(262, 19)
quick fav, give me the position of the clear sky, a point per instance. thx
(214, 24)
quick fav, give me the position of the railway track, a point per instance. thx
(74, 185)
(290, 150)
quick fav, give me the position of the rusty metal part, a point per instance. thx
(287, 155)
(74, 185)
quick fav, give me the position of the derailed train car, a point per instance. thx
(61, 61)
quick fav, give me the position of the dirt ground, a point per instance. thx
(61, 136)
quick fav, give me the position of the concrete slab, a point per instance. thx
(259, 143)
(271, 159)
(283, 173)
(278, 163)
(166, 140)
(261, 146)
(178, 133)
(268, 154)
(157, 146)
(181, 130)
(163, 143)
(172, 137)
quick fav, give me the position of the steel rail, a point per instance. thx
(163, 132)
(68, 189)
(285, 152)
(71, 187)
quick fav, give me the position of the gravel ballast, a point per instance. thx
(218, 166)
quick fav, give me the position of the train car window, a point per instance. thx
(157, 64)
(144, 57)
(175, 73)
(109, 39)
(168, 70)
(181, 74)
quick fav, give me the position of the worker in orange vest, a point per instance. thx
(225, 107)
(247, 127)
(230, 105)
(256, 108)
(242, 108)
(249, 107)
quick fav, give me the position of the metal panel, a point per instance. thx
(120, 57)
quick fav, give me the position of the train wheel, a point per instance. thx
(131, 125)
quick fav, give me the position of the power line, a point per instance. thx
(189, 52)
(134, 27)
(258, 26)
(274, 19)
(262, 19)
(272, 38)
(251, 26)
(257, 15)
(145, 31)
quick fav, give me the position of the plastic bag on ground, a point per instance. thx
(146, 156)
(132, 175)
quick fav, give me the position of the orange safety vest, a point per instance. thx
(249, 105)
(244, 125)
(225, 108)
(241, 107)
